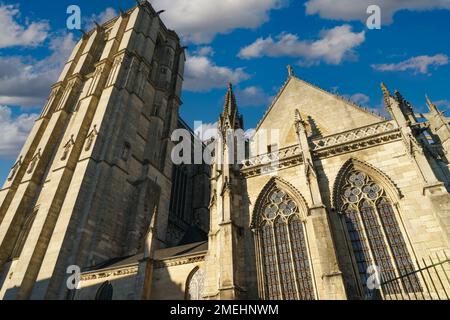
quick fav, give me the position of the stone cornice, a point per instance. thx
(329, 146)
(357, 139)
(133, 268)
(263, 164)
(108, 273)
(177, 261)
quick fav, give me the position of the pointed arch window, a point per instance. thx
(24, 232)
(195, 285)
(284, 264)
(105, 292)
(375, 236)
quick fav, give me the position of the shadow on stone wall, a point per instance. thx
(165, 288)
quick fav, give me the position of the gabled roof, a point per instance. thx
(295, 78)
(161, 254)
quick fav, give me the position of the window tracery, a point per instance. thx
(374, 234)
(285, 259)
(196, 285)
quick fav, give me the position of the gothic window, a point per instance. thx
(285, 264)
(285, 261)
(374, 235)
(270, 263)
(358, 244)
(195, 285)
(398, 247)
(105, 292)
(301, 258)
(24, 231)
(179, 193)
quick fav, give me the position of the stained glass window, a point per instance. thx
(360, 249)
(285, 258)
(270, 263)
(301, 259)
(375, 235)
(378, 246)
(402, 258)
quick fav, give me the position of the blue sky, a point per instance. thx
(247, 42)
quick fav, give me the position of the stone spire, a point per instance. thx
(151, 237)
(230, 105)
(310, 172)
(230, 117)
(439, 127)
(431, 106)
(144, 277)
(387, 95)
(224, 270)
(399, 108)
(299, 122)
(405, 106)
(415, 143)
(291, 72)
(385, 89)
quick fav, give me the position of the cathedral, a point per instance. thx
(328, 194)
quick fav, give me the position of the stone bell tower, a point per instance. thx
(97, 161)
(224, 263)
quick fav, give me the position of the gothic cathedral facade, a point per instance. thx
(328, 192)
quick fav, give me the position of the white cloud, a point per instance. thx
(334, 46)
(419, 64)
(204, 51)
(252, 97)
(349, 10)
(359, 98)
(104, 16)
(199, 21)
(249, 133)
(14, 132)
(202, 74)
(206, 131)
(13, 34)
(25, 81)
